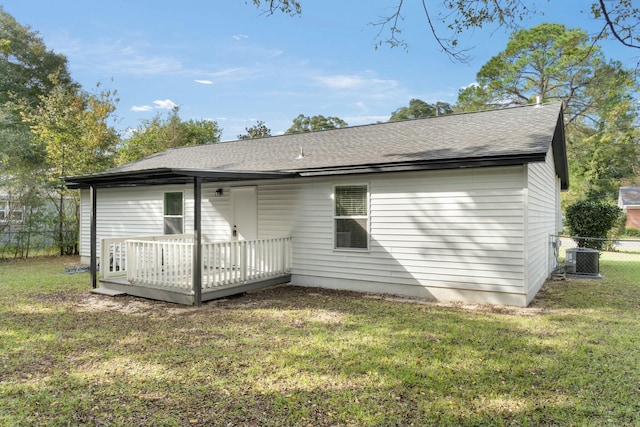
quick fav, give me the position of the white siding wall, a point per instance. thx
(279, 208)
(543, 210)
(444, 234)
(85, 212)
(215, 213)
(135, 211)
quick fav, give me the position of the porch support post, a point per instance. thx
(197, 241)
(93, 263)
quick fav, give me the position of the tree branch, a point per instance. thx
(610, 24)
(444, 44)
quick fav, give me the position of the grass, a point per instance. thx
(292, 356)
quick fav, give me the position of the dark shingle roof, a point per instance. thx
(524, 133)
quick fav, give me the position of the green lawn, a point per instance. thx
(292, 356)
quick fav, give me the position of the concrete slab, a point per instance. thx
(108, 292)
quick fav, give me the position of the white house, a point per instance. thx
(459, 207)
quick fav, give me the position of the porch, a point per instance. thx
(163, 267)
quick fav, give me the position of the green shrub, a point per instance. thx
(632, 232)
(592, 218)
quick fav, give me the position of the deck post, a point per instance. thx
(93, 267)
(197, 241)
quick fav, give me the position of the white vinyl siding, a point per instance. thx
(278, 209)
(215, 213)
(429, 231)
(131, 211)
(542, 217)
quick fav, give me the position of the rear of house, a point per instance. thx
(448, 218)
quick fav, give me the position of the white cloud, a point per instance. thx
(342, 81)
(125, 58)
(365, 120)
(240, 36)
(158, 104)
(204, 82)
(165, 104)
(140, 108)
(230, 72)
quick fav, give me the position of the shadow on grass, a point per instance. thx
(293, 356)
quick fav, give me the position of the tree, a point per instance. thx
(159, 134)
(259, 130)
(556, 63)
(620, 19)
(73, 127)
(304, 123)
(418, 109)
(25, 69)
(26, 64)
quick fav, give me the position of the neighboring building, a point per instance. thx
(11, 218)
(629, 202)
(459, 207)
(23, 228)
(11, 210)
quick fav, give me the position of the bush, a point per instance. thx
(592, 218)
(632, 232)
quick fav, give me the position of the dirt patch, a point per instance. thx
(278, 296)
(129, 305)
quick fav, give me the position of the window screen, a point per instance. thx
(351, 216)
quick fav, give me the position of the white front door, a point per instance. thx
(244, 205)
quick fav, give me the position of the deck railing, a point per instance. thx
(228, 263)
(113, 252)
(169, 264)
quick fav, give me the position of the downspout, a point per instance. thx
(93, 267)
(197, 241)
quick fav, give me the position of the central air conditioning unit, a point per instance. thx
(583, 261)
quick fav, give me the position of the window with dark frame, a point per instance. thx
(173, 213)
(351, 217)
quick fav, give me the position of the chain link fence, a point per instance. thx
(22, 244)
(582, 261)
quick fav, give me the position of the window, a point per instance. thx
(10, 211)
(173, 213)
(351, 217)
(4, 210)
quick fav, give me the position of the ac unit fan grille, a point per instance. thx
(587, 262)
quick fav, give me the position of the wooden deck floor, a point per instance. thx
(186, 297)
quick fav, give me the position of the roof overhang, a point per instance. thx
(507, 160)
(167, 176)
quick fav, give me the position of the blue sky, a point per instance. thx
(225, 61)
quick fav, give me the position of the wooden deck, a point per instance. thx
(187, 297)
(162, 267)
